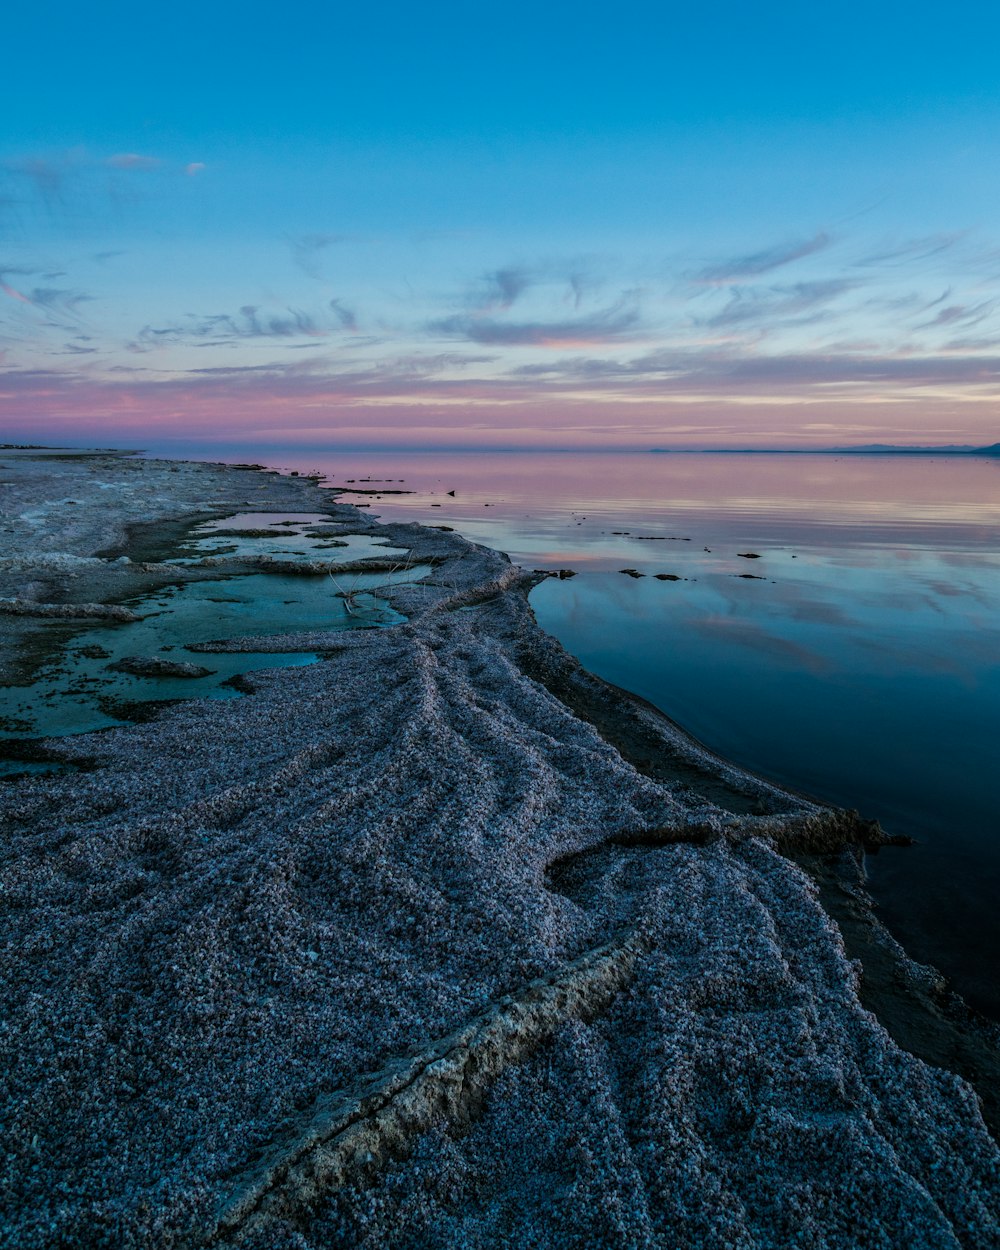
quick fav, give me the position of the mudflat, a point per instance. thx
(435, 941)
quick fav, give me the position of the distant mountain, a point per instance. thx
(867, 449)
(892, 449)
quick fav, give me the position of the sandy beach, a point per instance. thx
(435, 941)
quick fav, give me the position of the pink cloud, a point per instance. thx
(9, 290)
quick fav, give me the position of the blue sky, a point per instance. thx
(541, 225)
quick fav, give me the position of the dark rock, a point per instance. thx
(93, 652)
(153, 666)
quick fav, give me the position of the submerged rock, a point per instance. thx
(92, 651)
(69, 611)
(153, 666)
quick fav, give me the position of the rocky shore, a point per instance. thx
(438, 941)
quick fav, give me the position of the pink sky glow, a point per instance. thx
(923, 406)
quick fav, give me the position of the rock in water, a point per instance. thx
(153, 666)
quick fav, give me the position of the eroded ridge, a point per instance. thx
(354, 1133)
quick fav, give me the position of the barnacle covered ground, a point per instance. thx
(399, 951)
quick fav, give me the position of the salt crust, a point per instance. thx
(559, 1003)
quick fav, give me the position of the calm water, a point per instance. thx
(860, 662)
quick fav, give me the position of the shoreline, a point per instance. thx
(498, 834)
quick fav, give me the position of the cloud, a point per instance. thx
(961, 315)
(763, 307)
(500, 289)
(753, 265)
(973, 345)
(307, 247)
(670, 370)
(132, 160)
(346, 317)
(75, 183)
(390, 376)
(432, 399)
(13, 293)
(912, 250)
(47, 173)
(250, 322)
(604, 326)
(58, 301)
(578, 283)
(292, 323)
(53, 302)
(194, 168)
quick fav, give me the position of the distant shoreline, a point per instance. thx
(992, 450)
(214, 453)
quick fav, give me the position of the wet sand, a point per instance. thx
(439, 941)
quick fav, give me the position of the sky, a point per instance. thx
(456, 225)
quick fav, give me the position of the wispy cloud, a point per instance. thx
(47, 174)
(132, 160)
(76, 182)
(250, 322)
(911, 251)
(345, 316)
(58, 302)
(741, 374)
(307, 248)
(961, 315)
(74, 349)
(607, 325)
(55, 304)
(13, 293)
(766, 307)
(755, 264)
(500, 289)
